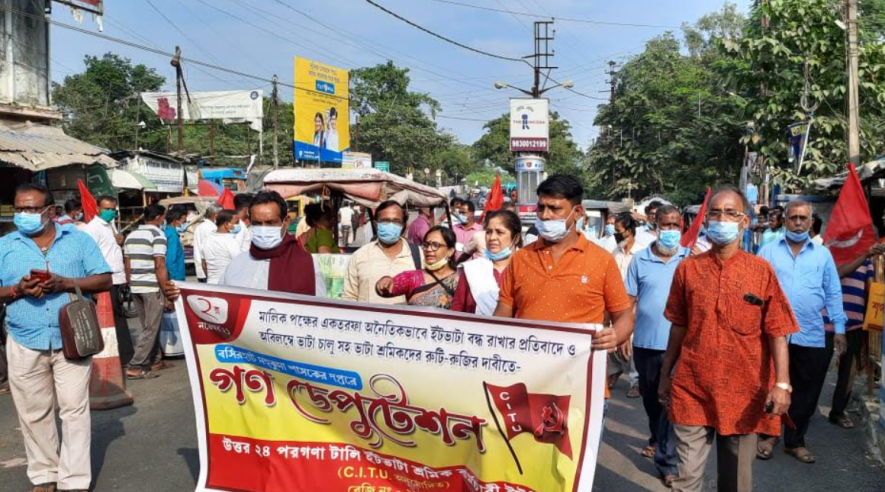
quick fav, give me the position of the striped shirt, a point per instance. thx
(32, 322)
(854, 297)
(141, 247)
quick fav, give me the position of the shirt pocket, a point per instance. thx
(744, 318)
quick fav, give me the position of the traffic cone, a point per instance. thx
(107, 387)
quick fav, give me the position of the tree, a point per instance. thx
(563, 155)
(767, 67)
(100, 104)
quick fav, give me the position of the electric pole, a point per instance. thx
(542, 55)
(613, 82)
(275, 104)
(176, 62)
(853, 107)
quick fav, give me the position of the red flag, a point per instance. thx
(691, 236)
(90, 208)
(543, 416)
(495, 199)
(850, 231)
(226, 200)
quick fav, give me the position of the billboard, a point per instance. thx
(356, 160)
(294, 391)
(322, 118)
(228, 106)
(529, 125)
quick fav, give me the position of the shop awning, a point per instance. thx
(41, 147)
(129, 180)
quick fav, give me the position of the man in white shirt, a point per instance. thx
(222, 246)
(201, 235)
(345, 223)
(102, 230)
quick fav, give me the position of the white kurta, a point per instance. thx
(251, 273)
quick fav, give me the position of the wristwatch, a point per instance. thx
(785, 386)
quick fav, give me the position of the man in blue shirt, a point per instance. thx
(39, 375)
(175, 225)
(648, 285)
(809, 278)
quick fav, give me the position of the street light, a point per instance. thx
(536, 91)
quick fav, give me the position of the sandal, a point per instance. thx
(668, 480)
(842, 421)
(801, 454)
(648, 452)
(613, 379)
(765, 447)
(159, 366)
(140, 374)
(44, 487)
(633, 392)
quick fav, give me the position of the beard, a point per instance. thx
(665, 251)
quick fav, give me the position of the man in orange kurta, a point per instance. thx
(729, 349)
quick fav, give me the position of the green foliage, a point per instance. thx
(766, 68)
(654, 141)
(563, 156)
(486, 177)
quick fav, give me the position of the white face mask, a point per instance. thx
(267, 237)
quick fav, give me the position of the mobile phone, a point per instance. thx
(769, 407)
(41, 275)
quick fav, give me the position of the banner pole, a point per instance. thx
(485, 390)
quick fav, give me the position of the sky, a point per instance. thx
(262, 37)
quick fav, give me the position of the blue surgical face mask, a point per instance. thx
(797, 237)
(389, 233)
(669, 239)
(182, 228)
(29, 224)
(462, 218)
(609, 229)
(723, 233)
(553, 231)
(237, 228)
(267, 237)
(500, 255)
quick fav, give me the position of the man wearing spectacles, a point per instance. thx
(387, 256)
(808, 274)
(730, 320)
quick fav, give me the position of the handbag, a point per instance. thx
(80, 331)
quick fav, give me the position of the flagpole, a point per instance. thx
(485, 390)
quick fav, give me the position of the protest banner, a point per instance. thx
(301, 394)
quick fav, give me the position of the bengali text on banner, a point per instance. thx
(295, 392)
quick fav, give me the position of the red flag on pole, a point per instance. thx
(543, 416)
(90, 208)
(226, 200)
(850, 230)
(691, 236)
(495, 200)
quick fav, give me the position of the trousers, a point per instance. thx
(648, 366)
(735, 457)
(39, 379)
(848, 366)
(150, 312)
(124, 338)
(808, 370)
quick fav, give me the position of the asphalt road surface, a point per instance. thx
(152, 446)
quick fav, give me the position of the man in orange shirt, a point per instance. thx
(564, 277)
(730, 322)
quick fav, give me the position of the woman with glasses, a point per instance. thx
(435, 285)
(481, 278)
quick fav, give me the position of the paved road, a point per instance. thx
(151, 446)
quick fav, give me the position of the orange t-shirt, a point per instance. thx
(579, 289)
(725, 369)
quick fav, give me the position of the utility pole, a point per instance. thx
(542, 55)
(212, 142)
(176, 62)
(275, 104)
(137, 118)
(853, 107)
(613, 82)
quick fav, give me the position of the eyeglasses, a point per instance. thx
(432, 245)
(733, 215)
(389, 221)
(29, 210)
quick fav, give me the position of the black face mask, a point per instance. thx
(619, 237)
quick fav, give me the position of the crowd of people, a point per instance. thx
(720, 344)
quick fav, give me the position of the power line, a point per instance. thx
(448, 40)
(180, 31)
(564, 19)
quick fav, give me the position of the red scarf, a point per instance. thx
(291, 267)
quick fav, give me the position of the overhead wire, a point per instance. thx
(180, 31)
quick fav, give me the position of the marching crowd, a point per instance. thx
(721, 345)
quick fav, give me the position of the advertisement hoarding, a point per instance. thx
(228, 106)
(529, 125)
(356, 160)
(322, 118)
